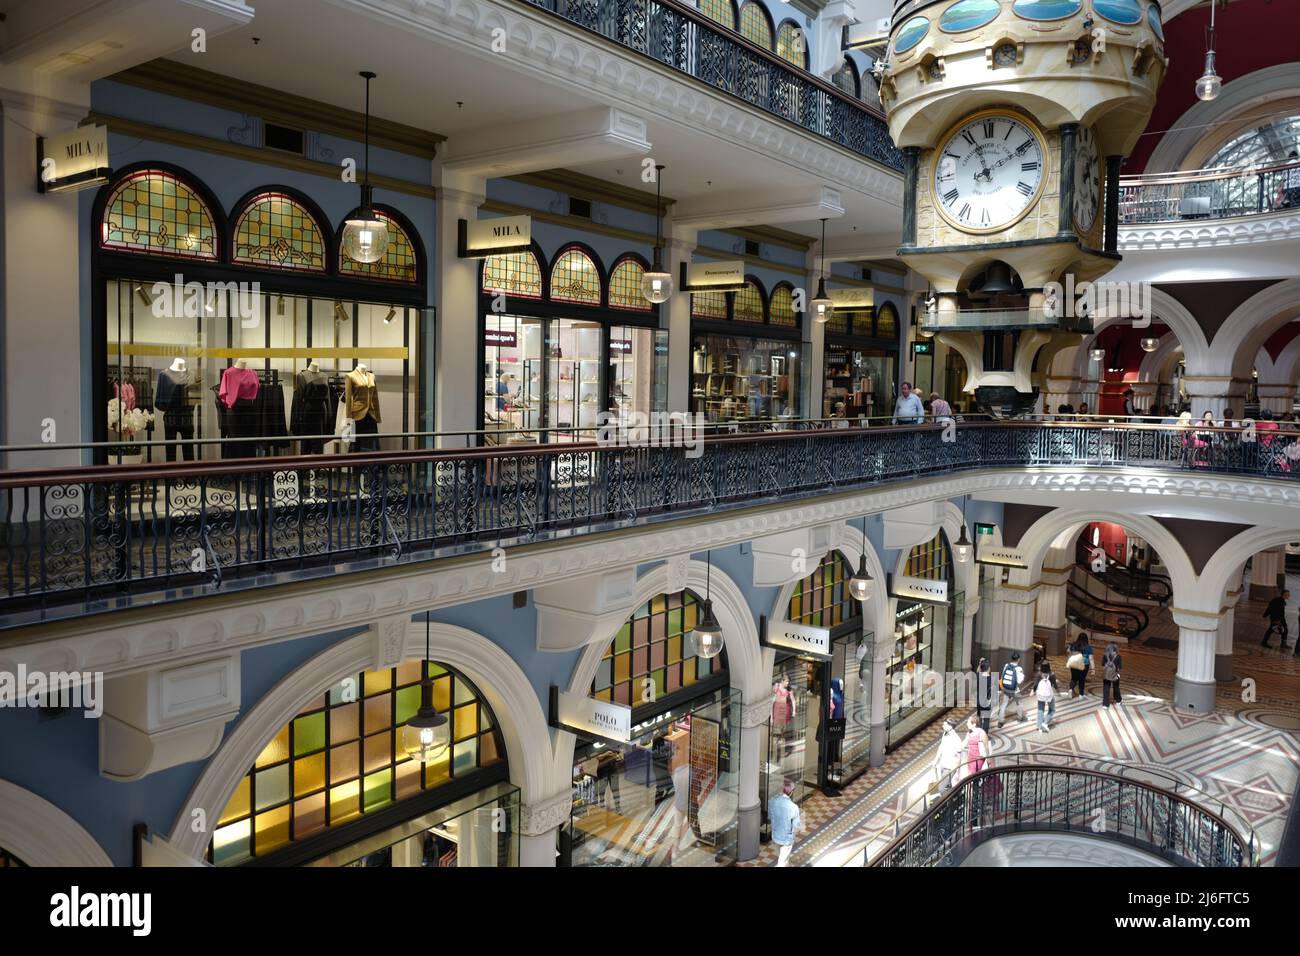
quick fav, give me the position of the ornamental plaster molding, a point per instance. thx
(1210, 234)
(546, 815)
(757, 713)
(40, 834)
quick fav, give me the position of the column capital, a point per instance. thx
(756, 713)
(542, 816)
(451, 196)
(1196, 620)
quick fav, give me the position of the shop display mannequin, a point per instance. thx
(361, 404)
(178, 416)
(310, 413)
(238, 393)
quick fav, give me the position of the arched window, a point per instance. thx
(154, 212)
(514, 273)
(575, 278)
(839, 322)
(930, 560)
(276, 230)
(792, 44)
(846, 77)
(398, 263)
(886, 321)
(822, 599)
(720, 11)
(341, 758)
(625, 286)
(748, 306)
(1260, 145)
(755, 24)
(653, 645)
(781, 308)
(709, 305)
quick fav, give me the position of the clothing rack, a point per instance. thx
(139, 377)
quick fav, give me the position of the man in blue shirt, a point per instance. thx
(908, 410)
(786, 821)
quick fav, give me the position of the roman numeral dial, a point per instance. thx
(988, 172)
(1087, 179)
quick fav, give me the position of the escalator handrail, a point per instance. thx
(1083, 559)
(1081, 596)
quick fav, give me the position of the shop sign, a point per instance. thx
(504, 338)
(920, 589)
(852, 298)
(587, 715)
(1001, 555)
(799, 637)
(72, 160)
(714, 276)
(620, 345)
(493, 237)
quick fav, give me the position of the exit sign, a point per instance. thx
(922, 348)
(981, 528)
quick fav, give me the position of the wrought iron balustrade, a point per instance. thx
(686, 40)
(1209, 193)
(81, 539)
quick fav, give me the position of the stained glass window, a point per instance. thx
(652, 651)
(8, 859)
(625, 286)
(754, 24)
(930, 560)
(781, 308)
(574, 278)
(886, 321)
(514, 273)
(822, 599)
(792, 45)
(341, 758)
(398, 263)
(709, 305)
(839, 322)
(720, 11)
(274, 230)
(748, 306)
(846, 77)
(152, 211)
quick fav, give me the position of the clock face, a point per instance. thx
(1087, 182)
(988, 173)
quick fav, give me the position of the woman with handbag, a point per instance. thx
(1077, 662)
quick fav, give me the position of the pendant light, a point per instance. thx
(860, 583)
(822, 306)
(1209, 85)
(365, 235)
(427, 735)
(707, 632)
(963, 545)
(657, 284)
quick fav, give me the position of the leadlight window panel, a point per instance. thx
(886, 322)
(792, 45)
(930, 560)
(398, 263)
(781, 308)
(754, 24)
(625, 286)
(720, 11)
(838, 322)
(574, 278)
(748, 306)
(822, 599)
(652, 645)
(341, 758)
(514, 273)
(846, 78)
(152, 211)
(709, 305)
(275, 230)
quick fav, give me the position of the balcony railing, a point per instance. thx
(1035, 318)
(683, 38)
(1066, 793)
(1209, 193)
(85, 539)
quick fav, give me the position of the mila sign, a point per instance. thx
(72, 160)
(493, 237)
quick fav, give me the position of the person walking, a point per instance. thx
(984, 694)
(1130, 406)
(1076, 663)
(1276, 614)
(948, 759)
(1011, 679)
(940, 410)
(1045, 693)
(977, 746)
(1112, 666)
(909, 410)
(786, 820)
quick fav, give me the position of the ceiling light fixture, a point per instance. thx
(1209, 85)
(145, 295)
(860, 583)
(340, 313)
(365, 235)
(822, 305)
(963, 546)
(707, 632)
(1097, 354)
(427, 735)
(1150, 344)
(657, 284)
(392, 314)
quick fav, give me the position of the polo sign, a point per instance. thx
(587, 715)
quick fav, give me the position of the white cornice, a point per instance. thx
(1211, 233)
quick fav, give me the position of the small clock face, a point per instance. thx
(988, 173)
(1087, 181)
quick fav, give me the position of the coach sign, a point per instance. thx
(800, 638)
(920, 589)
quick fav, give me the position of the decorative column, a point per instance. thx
(1049, 613)
(1278, 399)
(456, 282)
(539, 824)
(1194, 683)
(1265, 568)
(1144, 394)
(1212, 393)
(1018, 605)
(1223, 645)
(750, 814)
(675, 316)
(884, 650)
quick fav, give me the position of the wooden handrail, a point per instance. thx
(1204, 175)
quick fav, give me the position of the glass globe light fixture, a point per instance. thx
(1150, 344)
(427, 735)
(860, 583)
(1209, 85)
(1097, 354)
(708, 632)
(963, 545)
(365, 235)
(822, 306)
(657, 284)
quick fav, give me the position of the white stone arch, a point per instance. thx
(1206, 125)
(1186, 331)
(965, 576)
(1285, 370)
(1156, 365)
(40, 834)
(1249, 326)
(500, 682)
(1217, 576)
(739, 634)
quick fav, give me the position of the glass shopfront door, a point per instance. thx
(737, 378)
(861, 380)
(924, 671)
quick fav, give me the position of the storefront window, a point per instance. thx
(573, 396)
(512, 377)
(748, 305)
(341, 759)
(861, 379)
(736, 378)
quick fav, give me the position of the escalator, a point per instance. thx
(1092, 614)
(1123, 581)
